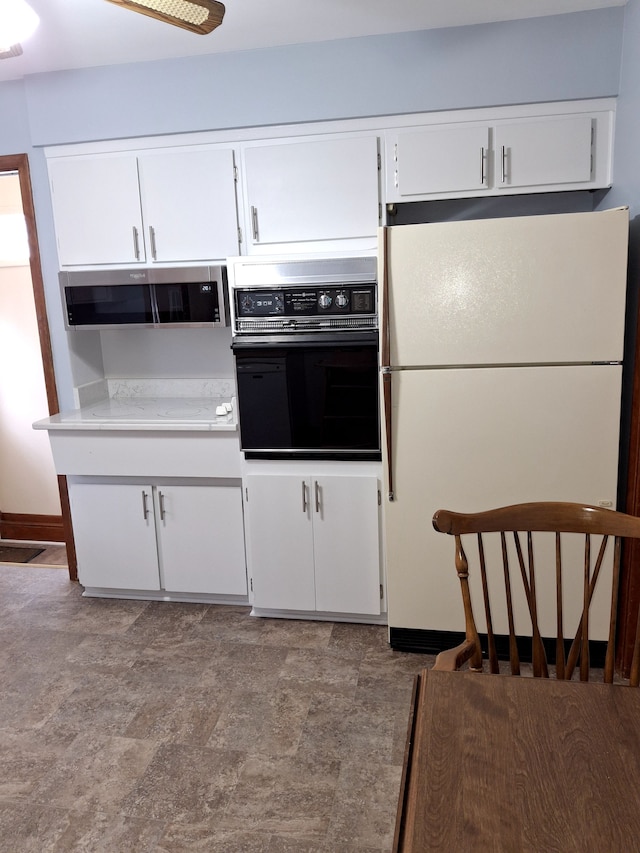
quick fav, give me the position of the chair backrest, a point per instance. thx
(603, 532)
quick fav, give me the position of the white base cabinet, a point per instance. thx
(173, 537)
(313, 542)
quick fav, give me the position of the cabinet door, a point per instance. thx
(308, 191)
(346, 544)
(201, 539)
(280, 542)
(439, 160)
(189, 205)
(114, 534)
(96, 207)
(546, 151)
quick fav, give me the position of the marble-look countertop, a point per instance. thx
(148, 414)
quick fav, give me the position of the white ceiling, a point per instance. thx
(83, 33)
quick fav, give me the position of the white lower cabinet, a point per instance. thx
(178, 538)
(313, 542)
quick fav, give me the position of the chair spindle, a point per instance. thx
(560, 659)
(514, 658)
(613, 617)
(493, 654)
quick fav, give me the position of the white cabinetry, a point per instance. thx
(504, 153)
(550, 151)
(145, 207)
(302, 191)
(168, 536)
(115, 538)
(313, 542)
(440, 160)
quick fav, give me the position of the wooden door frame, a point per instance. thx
(20, 163)
(629, 608)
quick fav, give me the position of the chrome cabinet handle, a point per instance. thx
(482, 175)
(317, 492)
(304, 497)
(503, 169)
(152, 240)
(136, 243)
(254, 223)
(161, 502)
(145, 509)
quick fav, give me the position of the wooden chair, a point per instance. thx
(603, 531)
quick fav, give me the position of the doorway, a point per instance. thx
(18, 165)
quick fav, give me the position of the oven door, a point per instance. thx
(309, 398)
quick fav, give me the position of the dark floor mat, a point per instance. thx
(18, 553)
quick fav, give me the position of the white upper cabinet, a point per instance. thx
(145, 207)
(321, 188)
(441, 160)
(189, 205)
(299, 192)
(500, 152)
(96, 205)
(550, 151)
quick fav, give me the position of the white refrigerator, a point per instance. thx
(501, 344)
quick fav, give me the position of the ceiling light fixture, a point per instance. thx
(17, 23)
(197, 16)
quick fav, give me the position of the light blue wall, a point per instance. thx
(542, 59)
(626, 170)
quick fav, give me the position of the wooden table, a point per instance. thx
(499, 763)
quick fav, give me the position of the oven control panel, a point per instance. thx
(350, 300)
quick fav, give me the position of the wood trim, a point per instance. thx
(629, 574)
(20, 163)
(72, 560)
(33, 528)
(416, 702)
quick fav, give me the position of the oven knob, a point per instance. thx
(247, 303)
(342, 300)
(324, 300)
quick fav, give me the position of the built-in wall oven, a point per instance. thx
(305, 344)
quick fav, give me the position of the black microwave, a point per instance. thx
(145, 298)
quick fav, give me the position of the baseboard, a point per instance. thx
(433, 642)
(34, 528)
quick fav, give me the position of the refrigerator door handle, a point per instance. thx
(386, 359)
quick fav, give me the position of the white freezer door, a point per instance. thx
(521, 290)
(476, 439)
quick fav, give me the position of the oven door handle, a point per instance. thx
(292, 340)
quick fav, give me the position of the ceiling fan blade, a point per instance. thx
(197, 16)
(8, 52)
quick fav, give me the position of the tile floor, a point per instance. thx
(128, 726)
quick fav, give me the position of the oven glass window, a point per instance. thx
(315, 399)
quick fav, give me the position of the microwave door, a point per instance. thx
(192, 302)
(108, 305)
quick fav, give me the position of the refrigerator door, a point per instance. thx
(530, 289)
(475, 439)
